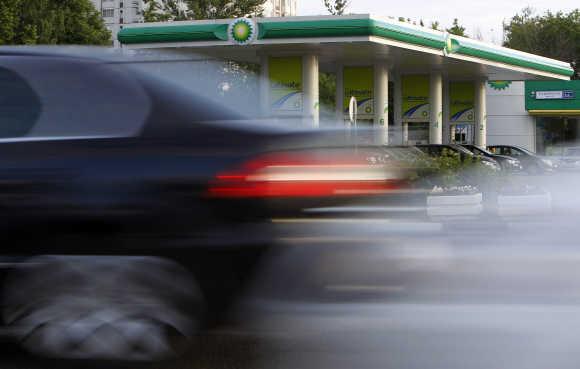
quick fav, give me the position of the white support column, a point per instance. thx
(264, 86)
(381, 103)
(436, 108)
(480, 114)
(446, 113)
(310, 108)
(398, 133)
(340, 95)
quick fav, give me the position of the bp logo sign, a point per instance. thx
(242, 31)
(499, 85)
(451, 45)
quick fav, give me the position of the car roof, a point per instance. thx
(86, 52)
(99, 53)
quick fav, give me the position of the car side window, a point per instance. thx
(516, 152)
(64, 97)
(19, 105)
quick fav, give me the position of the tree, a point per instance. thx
(165, 10)
(336, 7)
(215, 9)
(435, 25)
(8, 20)
(175, 10)
(457, 29)
(30, 22)
(553, 35)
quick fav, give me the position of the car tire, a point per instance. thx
(109, 308)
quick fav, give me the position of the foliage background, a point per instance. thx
(554, 35)
(51, 22)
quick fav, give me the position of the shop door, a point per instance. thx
(418, 133)
(462, 134)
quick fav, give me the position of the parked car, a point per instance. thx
(507, 163)
(156, 203)
(437, 150)
(469, 175)
(530, 161)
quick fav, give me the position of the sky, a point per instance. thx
(476, 16)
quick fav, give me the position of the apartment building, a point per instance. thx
(280, 8)
(116, 13)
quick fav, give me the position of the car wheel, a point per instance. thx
(114, 308)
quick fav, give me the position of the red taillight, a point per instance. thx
(306, 174)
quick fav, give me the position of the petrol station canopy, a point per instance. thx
(350, 39)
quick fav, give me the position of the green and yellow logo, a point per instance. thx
(242, 31)
(451, 45)
(499, 85)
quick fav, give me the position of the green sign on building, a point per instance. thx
(359, 82)
(285, 84)
(553, 97)
(415, 98)
(461, 102)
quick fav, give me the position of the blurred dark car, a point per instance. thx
(531, 162)
(507, 163)
(157, 203)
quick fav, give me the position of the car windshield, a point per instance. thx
(525, 151)
(460, 149)
(476, 150)
(403, 153)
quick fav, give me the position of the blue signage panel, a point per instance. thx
(568, 94)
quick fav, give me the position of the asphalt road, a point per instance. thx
(403, 294)
(377, 336)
